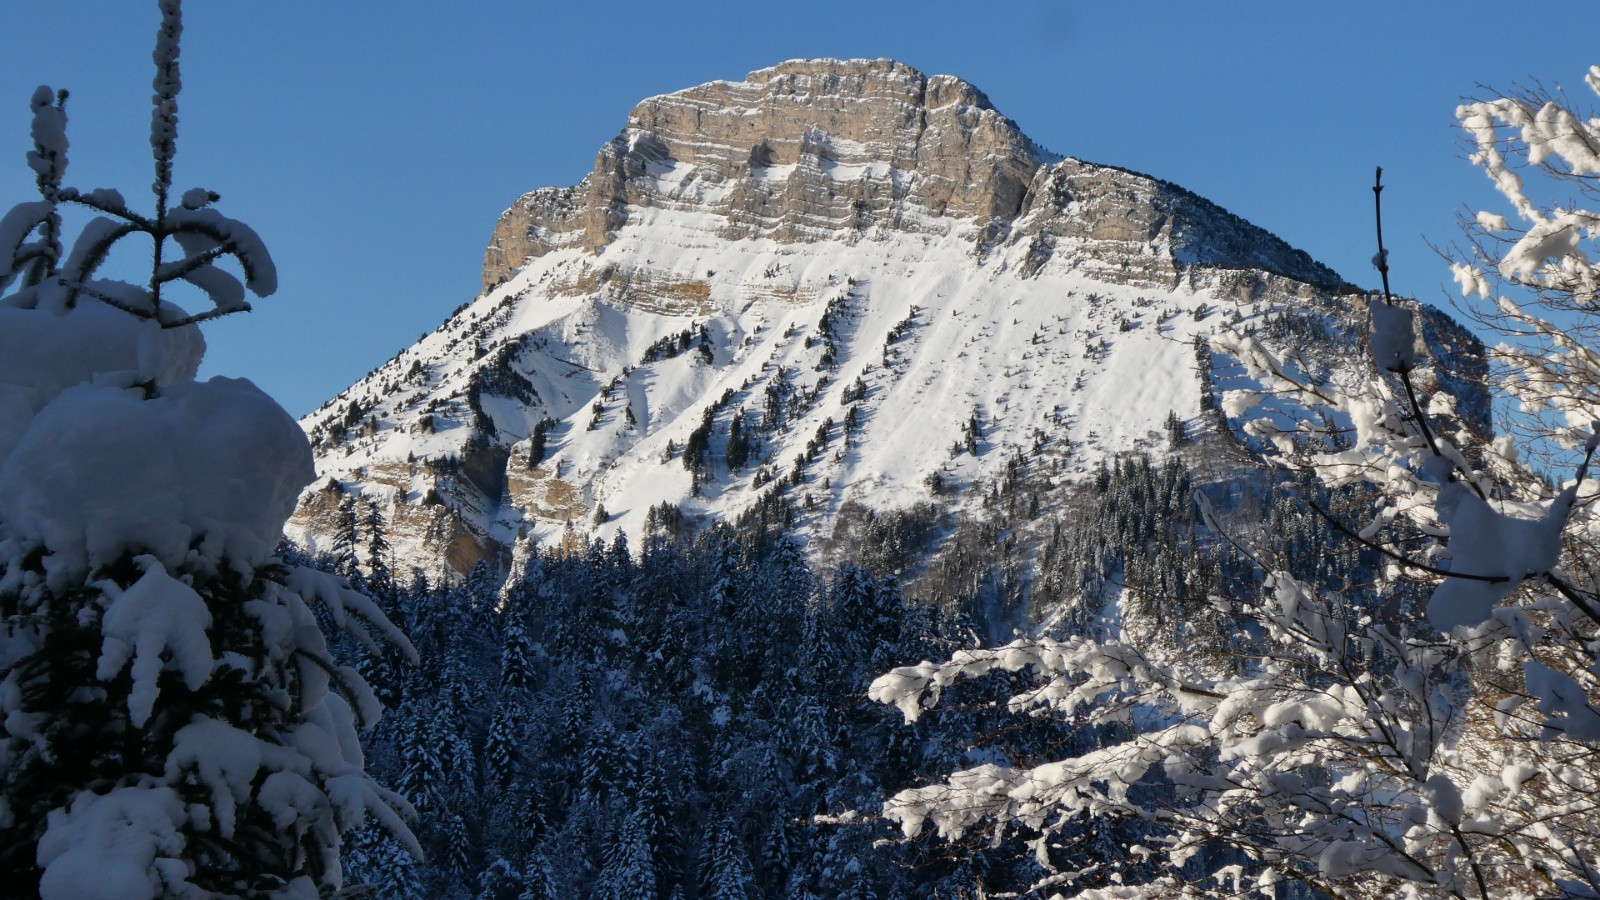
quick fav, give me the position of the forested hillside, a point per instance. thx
(690, 715)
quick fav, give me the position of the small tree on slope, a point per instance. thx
(171, 723)
(1372, 749)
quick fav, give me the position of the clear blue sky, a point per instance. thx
(373, 143)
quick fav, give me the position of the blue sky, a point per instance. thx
(373, 144)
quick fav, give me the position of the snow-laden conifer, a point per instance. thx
(171, 720)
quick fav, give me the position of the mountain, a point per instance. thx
(831, 287)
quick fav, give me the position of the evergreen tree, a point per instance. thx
(458, 846)
(380, 578)
(629, 873)
(727, 866)
(398, 876)
(500, 882)
(421, 768)
(172, 721)
(738, 452)
(501, 743)
(1175, 431)
(668, 685)
(537, 881)
(346, 537)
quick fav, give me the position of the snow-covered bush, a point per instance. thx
(171, 722)
(1368, 746)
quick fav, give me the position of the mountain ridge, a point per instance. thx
(774, 317)
(739, 150)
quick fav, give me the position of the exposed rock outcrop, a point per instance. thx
(831, 282)
(861, 149)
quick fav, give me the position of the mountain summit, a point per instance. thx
(830, 149)
(831, 287)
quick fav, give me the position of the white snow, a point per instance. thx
(160, 623)
(261, 275)
(116, 846)
(1094, 366)
(101, 471)
(1487, 543)
(1393, 338)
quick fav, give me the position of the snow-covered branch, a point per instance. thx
(1365, 745)
(172, 722)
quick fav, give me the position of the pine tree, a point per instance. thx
(738, 452)
(458, 845)
(727, 865)
(629, 873)
(501, 744)
(380, 578)
(397, 876)
(1175, 431)
(422, 770)
(346, 538)
(537, 881)
(516, 656)
(500, 881)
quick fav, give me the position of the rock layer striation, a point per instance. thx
(864, 149)
(832, 285)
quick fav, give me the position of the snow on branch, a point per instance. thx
(172, 722)
(203, 235)
(1440, 743)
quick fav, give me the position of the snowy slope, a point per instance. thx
(1064, 329)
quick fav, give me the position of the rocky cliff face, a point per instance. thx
(867, 150)
(833, 285)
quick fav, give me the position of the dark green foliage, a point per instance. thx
(739, 443)
(380, 580)
(698, 446)
(668, 347)
(616, 726)
(1202, 362)
(854, 391)
(499, 378)
(84, 735)
(665, 520)
(884, 543)
(694, 449)
(830, 327)
(537, 440)
(346, 537)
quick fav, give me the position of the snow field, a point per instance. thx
(1060, 362)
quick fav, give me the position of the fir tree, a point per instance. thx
(537, 881)
(458, 845)
(738, 452)
(500, 745)
(500, 882)
(629, 873)
(516, 655)
(380, 578)
(397, 874)
(170, 716)
(346, 538)
(1175, 431)
(422, 770)
(727, 866)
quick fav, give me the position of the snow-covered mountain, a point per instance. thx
(832, 281)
